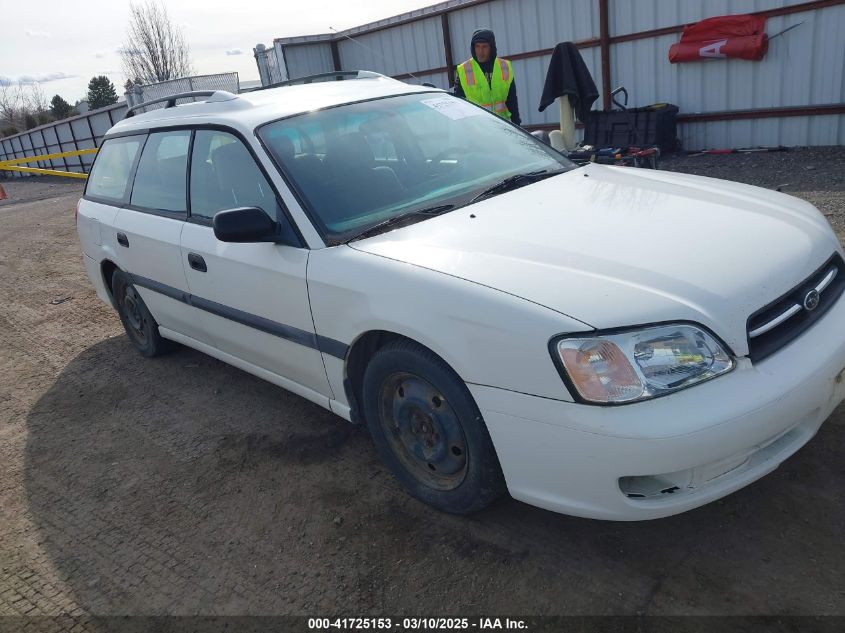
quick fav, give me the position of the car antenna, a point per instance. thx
(364, 46)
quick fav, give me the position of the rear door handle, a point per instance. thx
(197, 262)
(123, 240)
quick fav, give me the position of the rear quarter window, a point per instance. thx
(109, 177)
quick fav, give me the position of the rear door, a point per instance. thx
(106, 191)
(146, 232)
(254, 297)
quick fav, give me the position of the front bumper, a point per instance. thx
(706, 441)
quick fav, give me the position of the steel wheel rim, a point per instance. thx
(423, 431)
(135, 318)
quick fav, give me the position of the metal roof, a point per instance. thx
(432, 10)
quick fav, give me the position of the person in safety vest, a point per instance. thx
(486, 79)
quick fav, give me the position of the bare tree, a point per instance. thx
(155, 49)
(12, 102)
(22, 106)
(36, 100)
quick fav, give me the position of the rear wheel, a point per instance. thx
(428, 430)
(140, 326)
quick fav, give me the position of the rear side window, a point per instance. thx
(110, 175)
(160, 182)
(225, 176)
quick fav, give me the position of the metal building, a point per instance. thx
(794, 96)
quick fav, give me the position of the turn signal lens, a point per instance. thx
(600, 370)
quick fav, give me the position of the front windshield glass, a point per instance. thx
(360, 164)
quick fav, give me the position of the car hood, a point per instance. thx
(614, 247)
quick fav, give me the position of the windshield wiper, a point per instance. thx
(514, 182)
(396, 219)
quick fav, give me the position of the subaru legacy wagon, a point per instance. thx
(601, 341)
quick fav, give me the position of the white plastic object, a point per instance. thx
(567, 124)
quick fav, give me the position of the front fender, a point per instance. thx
(487, 336)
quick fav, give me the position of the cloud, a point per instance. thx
(99, 54)
(234, 51)
(28, 80)
(120, 50)
(109, 72)
(42, 35)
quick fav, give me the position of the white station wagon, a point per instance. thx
(601, 341)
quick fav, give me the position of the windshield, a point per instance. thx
(358, 165)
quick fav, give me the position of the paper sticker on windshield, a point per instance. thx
(453, 108)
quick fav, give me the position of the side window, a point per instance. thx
(162, 172)
(110, 174)
(225, 176)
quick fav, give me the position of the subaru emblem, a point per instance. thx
(811, 300)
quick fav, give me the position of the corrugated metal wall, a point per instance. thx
(398, 50)
(805, 67)
(643, 15)
(308, 59)
(525, 25)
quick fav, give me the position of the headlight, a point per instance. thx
(640, 364)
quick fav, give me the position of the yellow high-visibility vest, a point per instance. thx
(490, 96)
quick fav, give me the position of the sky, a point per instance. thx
(61, 44)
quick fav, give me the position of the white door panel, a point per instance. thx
(253, 300)
(150, 253)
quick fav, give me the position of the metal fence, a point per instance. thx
(794, 96)
(221, 81)
(86, 131)
(270, 69)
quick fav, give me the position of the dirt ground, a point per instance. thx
(181, 485)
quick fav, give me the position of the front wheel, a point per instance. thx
(429, 431)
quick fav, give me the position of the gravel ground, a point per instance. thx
(181, 485)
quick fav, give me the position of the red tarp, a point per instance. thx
(737, 36)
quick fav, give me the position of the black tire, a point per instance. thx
(429, 431)
(140, 326)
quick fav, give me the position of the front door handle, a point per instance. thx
(123, 240)
(197, 262)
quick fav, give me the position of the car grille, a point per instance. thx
(786, 318)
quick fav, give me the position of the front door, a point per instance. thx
(253, 298)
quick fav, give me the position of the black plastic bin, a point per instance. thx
(651, 125)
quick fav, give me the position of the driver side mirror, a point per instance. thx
(244, 224)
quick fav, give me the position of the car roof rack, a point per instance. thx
(338, 74)
(170, 100)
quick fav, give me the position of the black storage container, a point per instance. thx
(651, 125)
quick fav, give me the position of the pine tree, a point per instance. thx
(59, 108)
(100, 92)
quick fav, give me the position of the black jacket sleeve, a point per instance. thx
(513, 104)
(458, 91)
